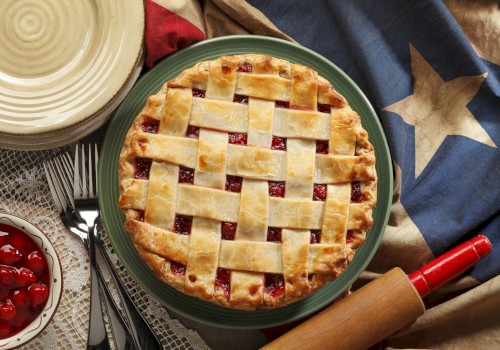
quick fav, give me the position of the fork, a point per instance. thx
(118, 328)
(97, 337)
(139, 333)
(86, 207)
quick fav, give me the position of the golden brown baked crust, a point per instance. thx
(264, 99)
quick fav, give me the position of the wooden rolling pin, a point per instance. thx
(383, 306)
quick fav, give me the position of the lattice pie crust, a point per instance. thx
(247, 181)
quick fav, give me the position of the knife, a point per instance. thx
(139, 335)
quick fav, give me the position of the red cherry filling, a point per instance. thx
(38, 293)
(276, 189)
(274, 234)
(7, 310)
(177, 269)
(233, 183)
(228, 230)
(282, 104)
(238, 139)
(8, 276)
(139, 215)
(315, 236)
(20, 298)
(319, 192)
(322, 147)
(278, 143)
(351, 235)
(245, 68)
(24, 280)
(36, 262)
(9, 255)
(5, 331)
(150, 125)
(240, 99)
(198, 93)
(183, 224)
(25, 277)
(193, 132)
(142, 168)
(357, 195)
(186, 175)
(274, 285)
(324, 108)
(223, 280)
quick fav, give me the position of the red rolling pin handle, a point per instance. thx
(383, 306)
(453, 263)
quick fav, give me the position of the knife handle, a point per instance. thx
(369, 315)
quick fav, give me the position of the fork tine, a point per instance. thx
(67, 166)
(65, 179)
(90, 172)
(76, 177)
(57, 187)
(96, 161)
(52, 188)
(83, 180)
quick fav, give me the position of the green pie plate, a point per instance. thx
(108, 185)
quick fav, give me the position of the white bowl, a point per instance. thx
(55, 287)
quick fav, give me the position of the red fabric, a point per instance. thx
(166, 32)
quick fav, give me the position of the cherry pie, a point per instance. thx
(247, 181)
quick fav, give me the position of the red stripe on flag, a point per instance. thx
(167, 32)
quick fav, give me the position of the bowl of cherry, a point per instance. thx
(30, 281)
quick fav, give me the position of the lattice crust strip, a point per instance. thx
(247, 181)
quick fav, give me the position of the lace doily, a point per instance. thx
(24, 192)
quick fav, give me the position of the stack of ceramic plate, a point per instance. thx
(64, 67)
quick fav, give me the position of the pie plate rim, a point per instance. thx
(108, 187)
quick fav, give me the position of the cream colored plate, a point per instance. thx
(63, 62)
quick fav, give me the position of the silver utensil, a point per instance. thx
(85, 200)
(121, 334)
(97, 337)
(138, 329)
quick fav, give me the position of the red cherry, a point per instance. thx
(7, 310)
(4, 293)
(274, 285)
(238, 139)
(22, 319)
(20, 298)
(25, 277)
(9, 255)
(183, 224)
(228, 230)
(38, 293)
(245, 68)
(21, 243)
(36, 262)
(4, 330)
(274, 234)
(319, 192)
(8, 275)
(278, 143)
(233, 183)
(276, 189)
(186, 175)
